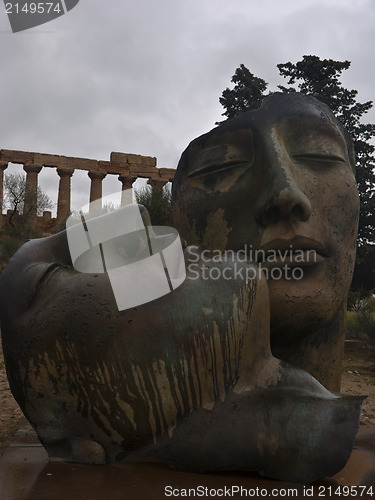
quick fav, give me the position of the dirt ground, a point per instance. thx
(358, 378)
(358, 375)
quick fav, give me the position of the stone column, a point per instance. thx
(96, 192)
(127, 183)
(31, 192)
(63, 202)
(3, 166)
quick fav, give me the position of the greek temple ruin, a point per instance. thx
(128, 167)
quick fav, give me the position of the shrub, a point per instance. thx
(360, 325)
(12, 238)
(158, 203)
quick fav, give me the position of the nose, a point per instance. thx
(282, 198)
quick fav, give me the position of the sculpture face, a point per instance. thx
(279, 179)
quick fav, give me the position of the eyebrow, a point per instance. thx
(225, 151)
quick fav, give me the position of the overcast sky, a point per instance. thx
(145, 76)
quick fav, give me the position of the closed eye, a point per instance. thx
(46, 273)
(216, 168)
(318, 158)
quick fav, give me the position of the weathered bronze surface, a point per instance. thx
(189, 379)
(275, 179)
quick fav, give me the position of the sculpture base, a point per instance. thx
(26, 473)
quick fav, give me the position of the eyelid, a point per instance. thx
(318, 157)
(47, 271)
(215, 168)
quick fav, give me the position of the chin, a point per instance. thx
(297, 312)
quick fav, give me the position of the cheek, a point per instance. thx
(199, 217)
(335, 202)
(240, 213)
(344, 228)
(336, 208)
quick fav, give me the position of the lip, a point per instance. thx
(297, 251)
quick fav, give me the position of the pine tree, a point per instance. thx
(247, 93)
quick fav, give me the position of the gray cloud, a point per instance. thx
(145, 77)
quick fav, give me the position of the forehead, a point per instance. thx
(292, 118)
(298, 123)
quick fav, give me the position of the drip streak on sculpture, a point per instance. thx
(194, 374)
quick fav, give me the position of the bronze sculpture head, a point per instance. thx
(279, 184)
